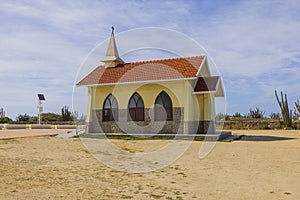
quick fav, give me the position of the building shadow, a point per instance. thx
(262, 138)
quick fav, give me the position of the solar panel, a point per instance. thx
(41, 97)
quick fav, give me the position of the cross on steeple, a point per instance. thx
(112, 58)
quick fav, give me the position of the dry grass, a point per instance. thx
(54, 168)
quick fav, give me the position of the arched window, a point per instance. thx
(136, 108)
(163, 107)
(110, 108)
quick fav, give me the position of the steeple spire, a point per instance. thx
(112, 58)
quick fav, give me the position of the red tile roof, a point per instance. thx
(206, 84)
(173, 68)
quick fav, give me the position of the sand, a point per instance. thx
(54, 168)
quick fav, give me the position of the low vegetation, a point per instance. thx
(275, 116)
(256, 118)
(65, 117)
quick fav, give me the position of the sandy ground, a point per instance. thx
(54, 168)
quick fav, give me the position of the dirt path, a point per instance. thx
(6, 134)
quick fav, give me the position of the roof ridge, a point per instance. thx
(157, 60)
(164, 59)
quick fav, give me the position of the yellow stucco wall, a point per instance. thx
(196, 107)
(148, 92)
(206, 106)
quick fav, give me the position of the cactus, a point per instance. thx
(297, 108)
(2, 112)
(286, 113)
(66, 114)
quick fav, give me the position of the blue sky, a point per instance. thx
(255, 44)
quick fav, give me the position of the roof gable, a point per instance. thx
(212, 84)
(205, 84)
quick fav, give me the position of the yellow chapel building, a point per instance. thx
(169, 96)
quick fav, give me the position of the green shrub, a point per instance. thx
(33, 120)
(22, 118)
(222, 117)
(237, 115)
(50, 117)
(256, 113)
(5, 120)
(275, 116)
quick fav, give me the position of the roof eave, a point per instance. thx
(220, 89)
(137, 82)
(205, 92)
(201, 66)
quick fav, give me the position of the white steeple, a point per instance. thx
(112, 58)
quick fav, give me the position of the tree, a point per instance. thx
(256, 113)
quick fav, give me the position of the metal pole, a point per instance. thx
(39, 110)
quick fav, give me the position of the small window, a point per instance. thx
(136, 108)
(163, 109)
(110, 108)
